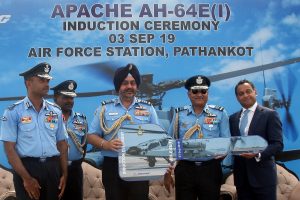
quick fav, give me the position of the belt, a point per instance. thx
(198, 163)
(40, 159)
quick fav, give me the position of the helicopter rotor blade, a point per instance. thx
(250, 70)
(289, 128)
(292, 81)
(102, 69)
(94, 94)
(79, 94)
(278, 83)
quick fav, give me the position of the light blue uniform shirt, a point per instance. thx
(142, 112)
(78, 125)
(35, 134)
(213, 120)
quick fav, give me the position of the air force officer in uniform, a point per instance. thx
(76, 125)
(126, 109)
(198, 180)
(35, 140)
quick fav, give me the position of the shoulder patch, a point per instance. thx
(107, 102)
(220, 108)
(143, 101)
(53, 104)
(11, 107)
(177, 110)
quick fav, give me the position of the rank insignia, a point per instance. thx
(26, 120)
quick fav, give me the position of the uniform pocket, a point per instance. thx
(27, 129)
(211, 130)
(51, 128)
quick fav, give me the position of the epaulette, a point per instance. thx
(107, 102)
(177, 110)
(80, 115)
(220, 108)
(143, 101)
(14, 105)
(53, 104)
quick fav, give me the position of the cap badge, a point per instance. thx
(46, 69)
(71, 86)
(199, 80)
(130, 67)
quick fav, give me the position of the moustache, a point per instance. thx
(200, 97)
(129, 90)
(68, 104)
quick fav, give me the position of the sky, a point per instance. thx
(270, 27)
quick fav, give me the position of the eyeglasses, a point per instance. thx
(196, 91)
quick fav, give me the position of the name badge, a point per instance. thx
(113, 114)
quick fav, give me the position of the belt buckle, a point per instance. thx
(198, 163)
(42, 160)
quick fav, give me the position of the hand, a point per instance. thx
(220, 157)
(168, 179)
(113, 145)
(248, 155)
(62, 186)
(32, 187)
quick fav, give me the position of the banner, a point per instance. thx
(168, 41)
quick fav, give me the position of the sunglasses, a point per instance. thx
(196, 91)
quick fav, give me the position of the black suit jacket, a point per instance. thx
(266, 123)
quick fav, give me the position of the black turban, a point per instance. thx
(122, 72)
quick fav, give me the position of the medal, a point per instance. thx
(52, 126)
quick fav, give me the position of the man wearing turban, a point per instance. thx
(109, 117)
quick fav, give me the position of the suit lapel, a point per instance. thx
(255, 119)
(238, 116)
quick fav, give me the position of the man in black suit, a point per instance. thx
(255, 174)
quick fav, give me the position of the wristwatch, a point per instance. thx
(258, 157)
